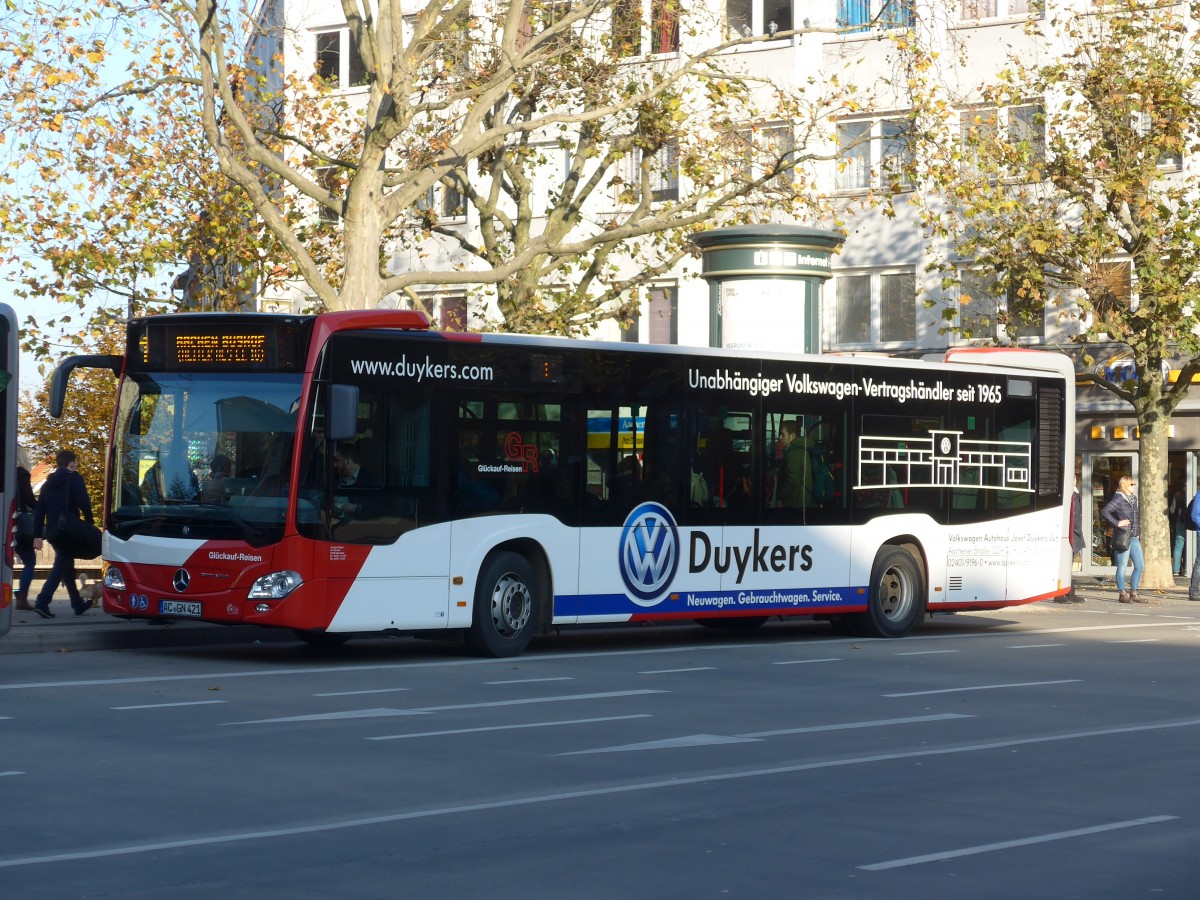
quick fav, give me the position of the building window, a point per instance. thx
(876, 308)
(1110, 289)
(855, 16)
(1027, 125)
(627, 32)
(768, 151)
(897, 308)
(853, 309)
(973, 10)
(452, 313)
(330, 178)
(542, 16)
(338, 63)
(987, 312)
(627, 28)
(446, 201)
(873, 153)
(664, 26)
(745, 18)
(662, 312)
(664, 174)
(1144, 125)
(982, 127)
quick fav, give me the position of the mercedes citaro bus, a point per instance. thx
(354, 472)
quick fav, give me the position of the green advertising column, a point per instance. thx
(764, 285)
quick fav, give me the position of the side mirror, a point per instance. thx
(62, 375)
(341, 420)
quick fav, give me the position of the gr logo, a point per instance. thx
(649, 553)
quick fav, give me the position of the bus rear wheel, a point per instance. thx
(896, 601)
(505, 614)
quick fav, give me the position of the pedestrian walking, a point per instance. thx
(1078, 543)
(23, 543)
(64, 495)
(1179, 514)
(1194, 515)
(1121, 512)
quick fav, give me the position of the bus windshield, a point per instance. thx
(207, 456)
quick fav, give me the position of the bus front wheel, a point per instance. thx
(897, 595)
(505, 614)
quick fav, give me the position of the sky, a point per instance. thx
(43, 311)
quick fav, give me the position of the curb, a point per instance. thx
(91, 632)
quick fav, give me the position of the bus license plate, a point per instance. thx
(179, 608)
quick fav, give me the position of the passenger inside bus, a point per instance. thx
(215, 487)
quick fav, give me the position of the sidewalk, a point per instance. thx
(95, 630)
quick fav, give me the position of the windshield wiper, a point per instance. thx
(250, 533)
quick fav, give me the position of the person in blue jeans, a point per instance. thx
(64, 491)
(1121, 512)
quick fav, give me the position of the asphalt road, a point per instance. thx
(1039, 752)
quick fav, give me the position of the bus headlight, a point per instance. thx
(275, 586)
(114, 579)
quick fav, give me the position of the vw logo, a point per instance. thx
(181, 580)
(649, 553)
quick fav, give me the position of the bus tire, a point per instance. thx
(734, 623)
(896, 601)
(505, 615)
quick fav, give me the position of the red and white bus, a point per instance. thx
(355, 473)
(10, 354)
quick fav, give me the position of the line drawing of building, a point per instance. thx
(943, 459)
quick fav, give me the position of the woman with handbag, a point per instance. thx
(1121, 512)
(23, 542)
(63, 502)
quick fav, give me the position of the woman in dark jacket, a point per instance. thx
(63, 492)
(26, 502)
(1121, 512)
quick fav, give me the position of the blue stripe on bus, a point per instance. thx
(697, 603)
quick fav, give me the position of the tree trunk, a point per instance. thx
(1154, 489)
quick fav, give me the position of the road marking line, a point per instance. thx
(581, 794)
(14, 772)
(532, 680)
(925, 652)
(168, 705)
(1020, 842)
(1136, 641)
(356, 693)
(800, 662)
(424, 710)
(938, 717)
(985, 687)
(673, 671)
(1033, 646)
(402, 737)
